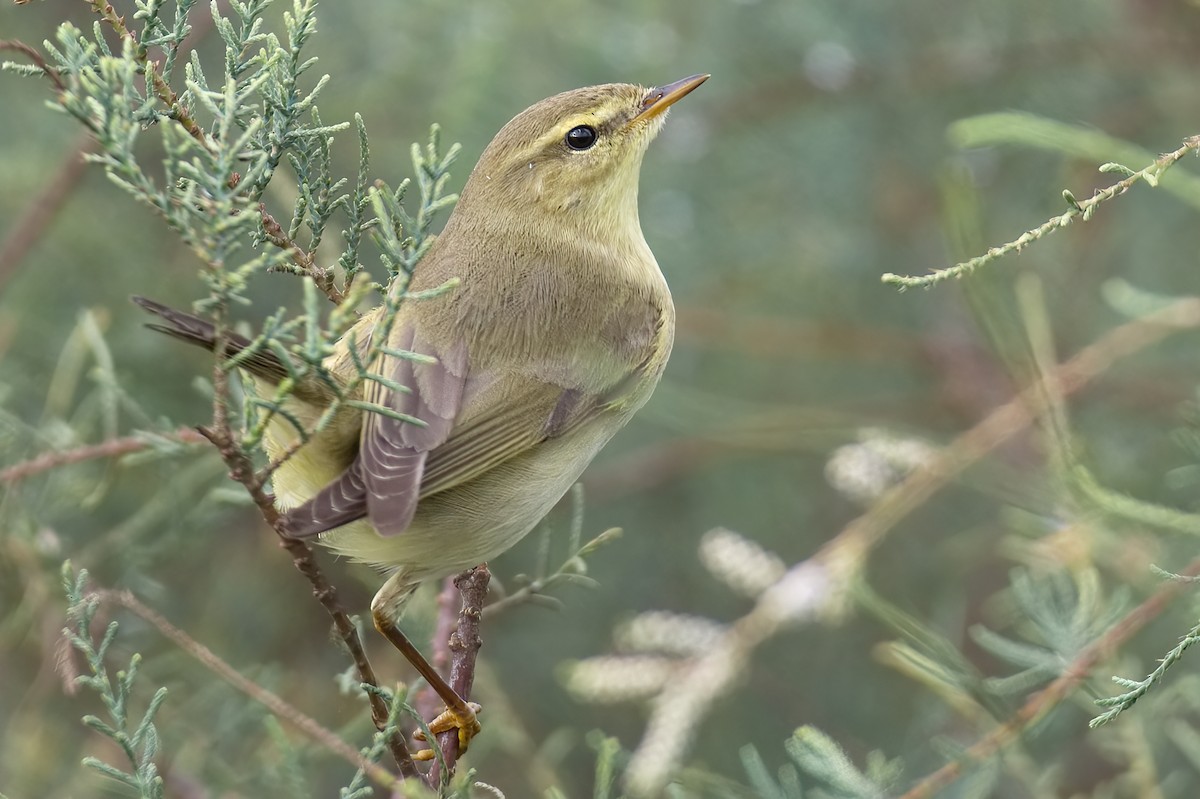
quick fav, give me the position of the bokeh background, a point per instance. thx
(813, 161)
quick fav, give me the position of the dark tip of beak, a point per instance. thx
(663, 97)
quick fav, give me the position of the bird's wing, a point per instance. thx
(384, 480)
(471, 424)
(510, 411)
(504, 425)
(400, 463)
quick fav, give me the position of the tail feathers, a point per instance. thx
(184, 326)
(202, 333)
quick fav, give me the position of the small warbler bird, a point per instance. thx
(557, 332)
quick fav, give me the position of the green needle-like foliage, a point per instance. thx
(137, 738)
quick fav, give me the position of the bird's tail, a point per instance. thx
(202, 333)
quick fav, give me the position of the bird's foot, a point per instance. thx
(467, 725)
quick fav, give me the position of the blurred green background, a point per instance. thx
(814, 160)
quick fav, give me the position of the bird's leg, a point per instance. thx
(385, 609)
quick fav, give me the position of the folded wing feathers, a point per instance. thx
(384, 481)
(341, 502)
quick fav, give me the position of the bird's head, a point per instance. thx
(572, 161)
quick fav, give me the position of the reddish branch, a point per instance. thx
(36, 57)
(113, 448)
(272, 701)
(862, 534)
(1052, 695)
(464, 647)
(305, 261)
(302, 557)
(242, 471)
(29, 228)
(464, 643)
(449, 601)
(161, 88)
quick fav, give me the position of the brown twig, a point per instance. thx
(219, 433)
(113, 448)
(1078, 210)
(161, 88)
(862, 534)
(305, 261)
(32, 225)
(448, 603)
(238, 462)
(1041, 703)
(651, 466)
(760, 336)
(821, 584)
(29, 228)
(271, 701)
(33, 55)
(464, 647)
(241, 470)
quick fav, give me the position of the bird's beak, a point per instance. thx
(659, 100)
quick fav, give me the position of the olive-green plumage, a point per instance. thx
(557, 332)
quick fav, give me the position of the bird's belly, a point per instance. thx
(474, 522)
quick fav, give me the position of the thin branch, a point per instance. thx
(242, 471)
(113, 448)
(29, 228)
(1052, 695)
(820, 586)
(648, 467)
(219, 433)
(33, 55)
(449, 601)
(763, 335)
(1139, 688)
(464, 648)
(266, 472)
(161, 88)
(865, 532)
(271, 701)
(305, 261)
(799, 596)
(1078, 210)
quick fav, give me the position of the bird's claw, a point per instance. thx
(467, 725)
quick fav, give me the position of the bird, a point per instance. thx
(557, 331)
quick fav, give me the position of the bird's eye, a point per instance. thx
(581, 137)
